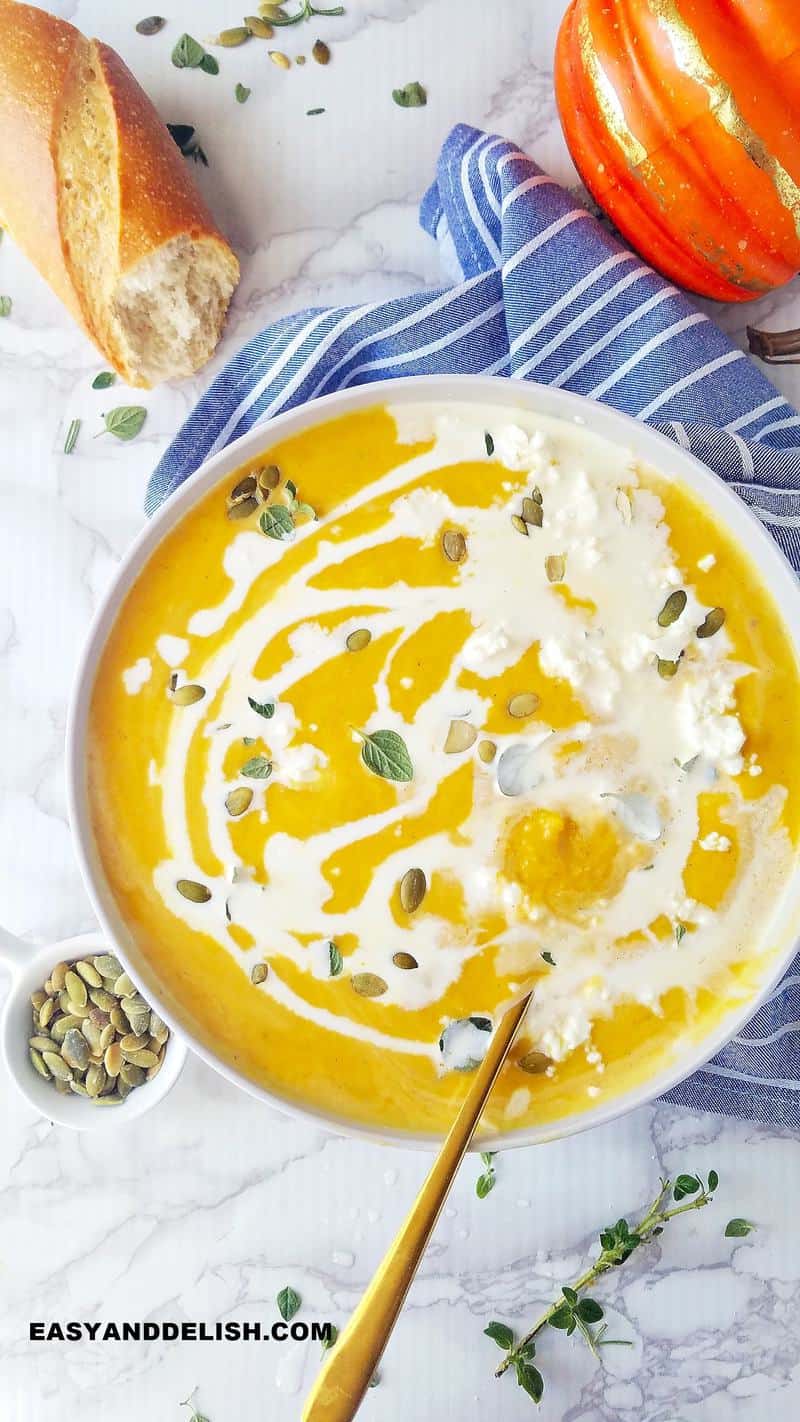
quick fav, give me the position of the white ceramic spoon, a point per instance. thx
(30, 967)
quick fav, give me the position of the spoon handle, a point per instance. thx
(15, 953)
(348, 1368)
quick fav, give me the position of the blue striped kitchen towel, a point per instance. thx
(542, 291)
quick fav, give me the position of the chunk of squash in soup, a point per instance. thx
(598, 798)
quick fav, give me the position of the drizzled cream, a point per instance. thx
(667, 742)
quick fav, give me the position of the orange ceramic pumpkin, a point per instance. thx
(683, 118)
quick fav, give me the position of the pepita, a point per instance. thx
(57, 1066)
(46, 1011)
(107, 965)
(61, 1027)
(78, 1087)
(96, 1079)
(243, 509)
(89, 973)
(75, 1050)
(112, 1059)
(272, 12)
(91, 1034)
(142, 1058)
(519, 524)
(76, 989)
(532, 511)
(130, 1043)
(666, 669)
(555, 566)
(712, 622)
(404, 960)
(454, 545)
(58, 976)
(107, 1037)
(238, 800)
(245, 489)
(41, 1044)
(523, 705)
(229, 39)
(113, 1099)
(368, 985)
(413, 888)
(38, 999)
(132, 1075)
(320, 52)
(536, 494)
(624, 506)
(487, 750)
(124, 987)
(103, 1000)
(259, 973)
(194, 892)
(269, 477)
(154, 1070)
(259, 27)
(358, 640)
(187, 695)
(37, 1061)
(534, 1063)
(281, 60)
(460, 737)
(672, 609)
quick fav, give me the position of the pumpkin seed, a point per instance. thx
(672, 609)
(132, 1075)
(555, 567)
(712, 622)
(536, 494)
(281, 60)
(194, 892)
(107, 1036)
(142, 1058)
(46, 1011)
(130, 1042)
(269, 477)
(57, 1066)
(368, 985)
(259, 973)
(404, 960)
(91, 1033)
(245, 489)
(460, 737)
(37, 1061)
(229, 39)
(187, 695)
(124, 987)
(108, 965)
(154, 1070)
(58, 976)
(320, 52)
(61, 1027)
(112, 1099)
(75, 1050)
(104, 1000)
(89, 973)
(487, 750)
(519, 524)
(158, 1028)
(79, 1088)
(534, 1063)
(112, 1060)
(96, 1079)
(532, 511)
(119, 1019)
(76, 988)
(238, 800)
(358, 640)
(523, 705)
(454, 545)
(666, 669)
(272, 12)
(243, 509)
(41, 1044)
(258, 27)
(413, 888)
(38, 999)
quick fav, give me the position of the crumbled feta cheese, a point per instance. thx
(135, 677)
(172, 650)
(301, 764)
(715, 843)
(706, 564)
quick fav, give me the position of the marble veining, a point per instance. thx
(206, 1208)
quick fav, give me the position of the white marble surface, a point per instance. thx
(206, 1208)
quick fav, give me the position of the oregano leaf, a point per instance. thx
(385, 753)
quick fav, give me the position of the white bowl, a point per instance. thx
(645, 445)
(30, 967)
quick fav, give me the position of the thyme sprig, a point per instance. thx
(574, 1311)
(307, 11)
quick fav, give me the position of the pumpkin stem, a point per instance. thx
(775, 347)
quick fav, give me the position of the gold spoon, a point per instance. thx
(348, 1368)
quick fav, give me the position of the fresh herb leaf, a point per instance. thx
(738, 1228)
(335, 960)
(330, 1339)
(569, 1294)
(680, 931)
(548, 957)
(288, 1302)
(5, 305)
(151, 25)
(385, 753)
(264, 708)
(312, 113)
(209, 64)
(501, 1334)
(713, 1180)
(103, 380)
(242, 93)
(187, 54)
(589, 1311)
(487, 1156)
(530, 1380)
(277, 523)
(72, 436)
(685, 1185)
(489, 442)
(411, 96)
(485, 1183)
(125, 421)
(257, 768)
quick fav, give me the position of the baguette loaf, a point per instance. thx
(97, 194)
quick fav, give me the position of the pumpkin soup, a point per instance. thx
(426, 704)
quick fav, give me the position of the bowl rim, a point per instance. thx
(645, 444)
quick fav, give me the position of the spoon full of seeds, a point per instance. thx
(77, 1036)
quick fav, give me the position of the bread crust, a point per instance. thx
(44, 62)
